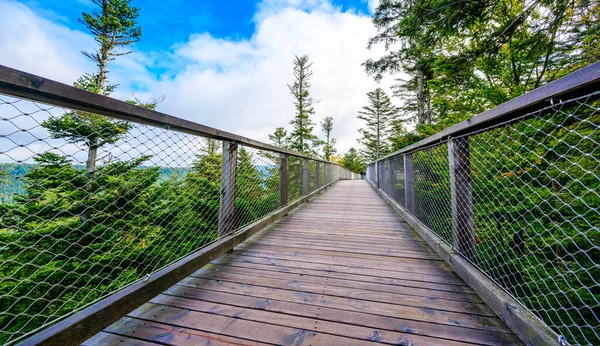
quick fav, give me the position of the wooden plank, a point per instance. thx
(166, 334)
(104, 338)
(239, 328)
(387, 253)
(278, 285)
(344, 303)
(420, 301)
(526, 326)
(332, 281)
(266, 264)
(304, 323)
(86, 323)
(352, 318)
(407, 273)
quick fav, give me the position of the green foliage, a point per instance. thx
(279, 137)
(378, 115)
(532, 187)
(301, 138)
(329, 143)
(114, 27)
(354, 162)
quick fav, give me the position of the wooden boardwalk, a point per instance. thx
(342, 269)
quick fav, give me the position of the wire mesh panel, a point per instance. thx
(536, 199)
(385, 176)
(256, 185)
(432, 190)
(371, 172)
(398, 183)
(91, 204)
(523, 198)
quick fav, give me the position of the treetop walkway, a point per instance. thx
(123, 225)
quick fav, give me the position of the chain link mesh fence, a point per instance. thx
(90, 205)
(529, 191)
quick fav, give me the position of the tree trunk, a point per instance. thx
(90, 170)
(420, 96)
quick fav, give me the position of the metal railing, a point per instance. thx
(516, 191)
(98, 194)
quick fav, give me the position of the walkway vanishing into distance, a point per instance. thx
(342, 269)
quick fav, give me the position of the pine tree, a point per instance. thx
(329, 145)
(301, 137)
(279, 137)
(114, 27)
(413, 56)
(378, 115)
(353, 161)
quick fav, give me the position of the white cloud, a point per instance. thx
(235, 85)
(38, 46)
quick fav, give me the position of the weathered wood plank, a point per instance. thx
(355, 318)
(350, 270)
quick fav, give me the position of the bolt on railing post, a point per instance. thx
(317, 174)
(283, 179)
(391, 179)
(409, 183)
(227, 196)
(305, 178)
(463, 231)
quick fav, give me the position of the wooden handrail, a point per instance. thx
(580, 82)
(29, 86)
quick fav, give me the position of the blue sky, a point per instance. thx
(224, 64)
(165, 23)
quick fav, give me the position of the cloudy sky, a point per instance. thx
(220, 63)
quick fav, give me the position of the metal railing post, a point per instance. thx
(227, 197)
(317, 174)
(391, 179)
(283, 179)
(409, 183)
(463, 231)
(305, 178)
(380, 174)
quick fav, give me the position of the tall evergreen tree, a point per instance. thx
(378, 116)
(279, 137)
(408, 52)
(301, 137)
(329, 145)
(114, 27)
(353, 161)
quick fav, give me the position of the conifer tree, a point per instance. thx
(378, 116)
(329, 144)
(408, 51)
(353, 161)
(301, 137)
(279, 137)
(114, 27)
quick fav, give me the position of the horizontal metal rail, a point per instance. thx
(509, 198)
(29, 86)
(580, 82)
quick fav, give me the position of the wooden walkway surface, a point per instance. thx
(342, 269)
